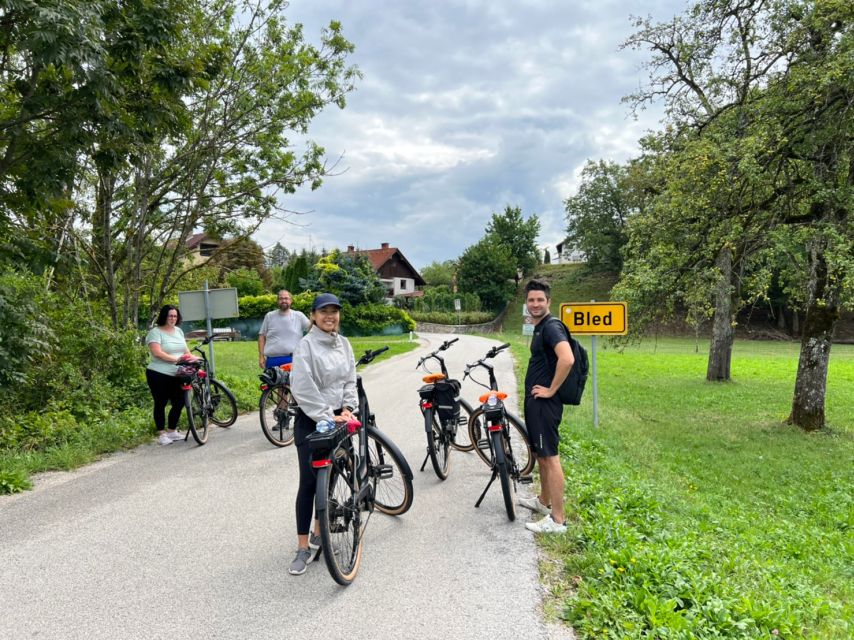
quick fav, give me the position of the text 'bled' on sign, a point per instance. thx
(595, 318)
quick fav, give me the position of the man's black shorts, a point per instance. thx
(542, 417)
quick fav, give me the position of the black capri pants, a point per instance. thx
(165, 389)
(303, 427)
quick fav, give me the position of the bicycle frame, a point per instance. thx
(502, 458)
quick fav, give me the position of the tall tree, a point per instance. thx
(519, 236)
(488, 269)
(597, 215)
(227, 167)
(438, 274)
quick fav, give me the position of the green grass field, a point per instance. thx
(695, 511)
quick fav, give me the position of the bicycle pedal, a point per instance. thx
(483, 445)
(383, 471)
(526, 479)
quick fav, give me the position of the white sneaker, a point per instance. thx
(164, 439)
(175, 435)
(534, 504)
(546, 525)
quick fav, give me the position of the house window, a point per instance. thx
(207, 250)
(402, 284)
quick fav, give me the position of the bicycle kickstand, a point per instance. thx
(426, 458)
(488, 484)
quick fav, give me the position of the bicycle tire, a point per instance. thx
(223, 405)
(438, 445)
(277, 423)
(462, 441)
(522, 452)
(340, 521)
(197, 416)
(508, 485)
(393, 495)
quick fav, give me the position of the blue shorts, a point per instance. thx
(275, 361)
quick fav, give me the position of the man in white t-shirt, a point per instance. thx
(280, 332)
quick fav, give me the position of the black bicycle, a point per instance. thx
(444, 412)
(506, 458)
(277, 407)
(205, 398)
(358, 468)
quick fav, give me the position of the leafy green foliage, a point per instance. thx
(441, 298)
(519, 236)
(25, 334)
(597, 215)
(487, 269)
(246, 281)
(437, 274)
(451, 317)
(349, 276)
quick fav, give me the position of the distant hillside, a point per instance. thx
(569, 283)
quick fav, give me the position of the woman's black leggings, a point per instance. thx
(303, 426)
(165, 389)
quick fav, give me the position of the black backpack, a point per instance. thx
(572, 388)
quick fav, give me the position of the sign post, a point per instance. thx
(208, 304)
(595, 319)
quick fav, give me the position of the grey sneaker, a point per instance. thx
(533, 504)
(313, 541)
(300, 563)
(546, 525)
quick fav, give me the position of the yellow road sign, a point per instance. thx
(595, 318)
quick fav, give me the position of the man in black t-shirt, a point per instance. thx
(550, 363)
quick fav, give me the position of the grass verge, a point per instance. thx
(695, 511)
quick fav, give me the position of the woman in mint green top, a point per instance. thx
(167, 347)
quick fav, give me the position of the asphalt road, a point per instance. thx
(194, 542)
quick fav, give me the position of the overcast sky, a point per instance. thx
(465, 107)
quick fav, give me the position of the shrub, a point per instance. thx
(25, 333)
(451, 317)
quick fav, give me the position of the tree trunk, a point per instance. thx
(821, 317)
(102, 239)
(720, 350)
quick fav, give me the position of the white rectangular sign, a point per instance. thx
(222, 302)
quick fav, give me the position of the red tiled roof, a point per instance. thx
(378, 257)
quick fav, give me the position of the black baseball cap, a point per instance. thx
(324, 300)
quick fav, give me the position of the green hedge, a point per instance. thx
(362, 320)
(450, 317)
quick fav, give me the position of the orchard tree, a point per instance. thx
(520, 238)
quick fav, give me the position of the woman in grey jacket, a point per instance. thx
(323, 382)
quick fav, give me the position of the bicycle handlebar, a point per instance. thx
(370, 355)
(445, 345)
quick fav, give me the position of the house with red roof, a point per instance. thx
(395, 271)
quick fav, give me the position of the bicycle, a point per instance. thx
(441, 406)
(352, 479)
(277, 407)
(505, 460)
(205, 398)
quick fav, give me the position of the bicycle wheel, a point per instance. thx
(340, 520)
(223, 405)
(277, 419)
(462, 441)
(508, 485)
(390, 474)
(197, 417)
(438, 445)
(522, 453)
